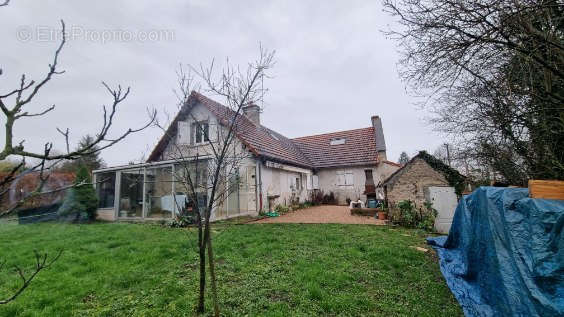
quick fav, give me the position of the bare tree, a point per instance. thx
(493, 75)
(208, 172)
(14, 106)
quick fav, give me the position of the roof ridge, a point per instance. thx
(327, 133)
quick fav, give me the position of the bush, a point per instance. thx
(329, 199)
(308, 204)
(319, 198)
(316, 197)
(81, 200)
(407, 215)
(281, 209)
(182, 221)
(428, 217)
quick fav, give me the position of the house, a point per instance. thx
(278, 170)
(412, 181)
(26, 183)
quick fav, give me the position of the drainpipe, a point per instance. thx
(259, 185)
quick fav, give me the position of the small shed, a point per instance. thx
(412, 180)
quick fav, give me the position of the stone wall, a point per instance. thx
(410, 183)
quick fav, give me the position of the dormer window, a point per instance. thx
(200, 131)
(274, 136)
(337, 141)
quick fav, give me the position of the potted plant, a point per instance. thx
(382, 214)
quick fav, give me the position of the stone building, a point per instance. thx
(421, 172)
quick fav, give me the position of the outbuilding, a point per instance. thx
(426, 179)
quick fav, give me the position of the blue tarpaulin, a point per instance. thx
(504, 255)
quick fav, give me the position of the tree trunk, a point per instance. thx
(202, 252)
(211, 264)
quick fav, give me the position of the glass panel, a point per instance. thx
(199, 178)
(233, 192)
(159, 201)
(206, 131)
(131, 194)
(106, 189)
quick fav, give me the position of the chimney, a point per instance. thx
(252, 112)
(379, 135)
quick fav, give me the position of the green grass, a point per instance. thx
(123, 269)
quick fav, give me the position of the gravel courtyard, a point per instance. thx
(323, 214)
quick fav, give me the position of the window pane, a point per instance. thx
(198, 133)
(106, 189)
(131, 194)
(159, 201)
(198, 176)
(206, 131)
(349, 179)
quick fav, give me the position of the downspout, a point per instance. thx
(259, 185)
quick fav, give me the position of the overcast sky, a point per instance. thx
(334, 68)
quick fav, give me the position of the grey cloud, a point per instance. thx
(334, 67)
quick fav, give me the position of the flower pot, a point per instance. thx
(382, 215)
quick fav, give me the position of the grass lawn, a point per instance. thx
(121, 269)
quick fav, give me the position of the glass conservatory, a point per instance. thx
(153, 191)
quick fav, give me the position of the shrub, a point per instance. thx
(329, 199)
(281, 209)
(407, 215)
(316, 197)
(80, 200)
(182, 221)
(428, 217)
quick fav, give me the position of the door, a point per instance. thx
(247, 187)
(444, 201)
(233, 207)
(251, 189)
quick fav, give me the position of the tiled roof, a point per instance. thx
(259, 139)
(359, 148)
(310, 151)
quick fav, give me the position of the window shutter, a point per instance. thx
(183, 133)
(309, 182)
(192, 133)
(349, 179)
(213, 132)
(315, 181)
(340, 178)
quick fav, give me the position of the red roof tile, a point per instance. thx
(310, 151)
(359, 148)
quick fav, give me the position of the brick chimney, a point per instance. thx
(379, 136)
(252, 112)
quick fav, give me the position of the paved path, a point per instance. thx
(323, 214)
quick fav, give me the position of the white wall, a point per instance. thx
(198, 113)
(328, 181)
(278, 181)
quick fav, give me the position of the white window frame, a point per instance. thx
(345, 178)
(195, 126)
